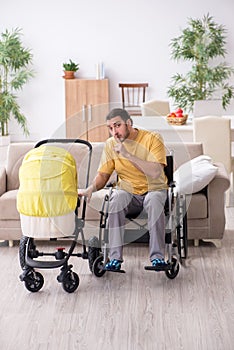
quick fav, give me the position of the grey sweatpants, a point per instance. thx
(123, 203)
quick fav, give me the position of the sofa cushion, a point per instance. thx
(8, 209)
(16, 153)
(198, 206)
(183, 152)
(2, 180)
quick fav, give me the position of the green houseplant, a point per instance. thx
(69, 69)
(14, 73)
(202, 42)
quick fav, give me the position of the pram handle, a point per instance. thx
(87, 143)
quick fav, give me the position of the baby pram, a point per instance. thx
(48, 203)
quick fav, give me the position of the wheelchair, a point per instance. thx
(175, 232)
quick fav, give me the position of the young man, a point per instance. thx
(138, 157)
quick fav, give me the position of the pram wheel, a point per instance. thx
(98, 269)
(34, 281)
(174, 270)
(22, 249)
(93, 251)
(71, 282)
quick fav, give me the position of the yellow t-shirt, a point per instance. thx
(147, 146)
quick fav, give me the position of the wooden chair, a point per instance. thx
(133, 95)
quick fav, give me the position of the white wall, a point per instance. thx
(131, 37)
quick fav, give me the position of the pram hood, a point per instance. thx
(48, 182)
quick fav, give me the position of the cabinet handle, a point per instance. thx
(89, 113)
(83, 113)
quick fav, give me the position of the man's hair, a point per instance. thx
(118, 112)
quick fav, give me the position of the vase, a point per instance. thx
(5, 140)
(69, 74)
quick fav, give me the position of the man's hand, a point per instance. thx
(152, 169)
(86, 193)
(120, 149)
(98, 183)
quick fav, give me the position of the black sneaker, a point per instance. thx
(158, 263)
(113, 265)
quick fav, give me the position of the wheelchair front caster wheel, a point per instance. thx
(173, 271)
(34, 281)
(98, 268)
(71, 282)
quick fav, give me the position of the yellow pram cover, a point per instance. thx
(48, 182)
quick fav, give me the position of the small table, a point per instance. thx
(170, 132)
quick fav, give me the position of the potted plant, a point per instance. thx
(69, 69)
(200, 43)
(14, 73)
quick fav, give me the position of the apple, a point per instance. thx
(179, 113)
(179, 110)
(173, 115)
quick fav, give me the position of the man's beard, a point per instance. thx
(127, 133)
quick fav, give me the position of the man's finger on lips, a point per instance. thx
(116, 149)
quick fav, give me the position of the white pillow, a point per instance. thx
(194, 175)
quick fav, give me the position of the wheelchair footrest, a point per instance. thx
(113, 270)
(165, 267)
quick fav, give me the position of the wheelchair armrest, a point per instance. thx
(172, 184)
(110, 184)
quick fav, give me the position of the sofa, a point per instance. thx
(206, 208)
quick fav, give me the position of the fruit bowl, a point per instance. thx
(177, 117)
(177, 120)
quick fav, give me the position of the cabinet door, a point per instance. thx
(97, 98)
(86, 109)
(76, 121)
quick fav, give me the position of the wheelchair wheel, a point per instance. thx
(174, 270)
(181, 229)
(71, 282)
(93, 251)
(22, 249)
(98, 267)
(184, 250)
(34, 281)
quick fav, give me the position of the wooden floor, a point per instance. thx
(138, 310)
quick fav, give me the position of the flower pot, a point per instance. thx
(5, 140)
(69, 74)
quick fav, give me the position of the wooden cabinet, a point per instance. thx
(87, 104)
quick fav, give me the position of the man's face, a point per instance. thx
(119, 128)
